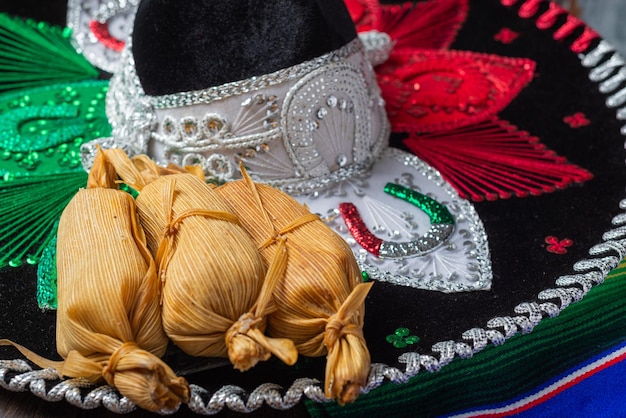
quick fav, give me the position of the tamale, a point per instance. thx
(216, 293)
(108, 318)
(320, 299)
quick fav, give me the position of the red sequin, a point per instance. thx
(557, 246)
(576, 120)
(429, 90)
(102, 34)
(506, 36)
(447, 101)
(359, 230)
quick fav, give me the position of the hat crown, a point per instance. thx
(298, 127)
(197, 44)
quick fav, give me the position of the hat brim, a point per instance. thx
(542, 253)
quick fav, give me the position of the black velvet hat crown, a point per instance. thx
(507, 154)
(210, 43)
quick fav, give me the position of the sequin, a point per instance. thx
(401, 338)
(576, 120)
(47, 277)
(323, 119)
(101, 32)
(42, 129)
(557, 246)
(442, 225)
(506, 36)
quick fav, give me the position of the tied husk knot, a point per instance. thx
(216, 287)
(123, 371)
(319, 299)
(347, 350)
(108, 318)
(245, 341)
(244, 351)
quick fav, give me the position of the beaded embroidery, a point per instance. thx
(456, 257)
(558, 246)
(576, 120)
(447, 101)
(100, 29)
(301, 128)
(401, 338)
(441, 226)
(506, 36)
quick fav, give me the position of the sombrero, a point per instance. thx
(498, 206)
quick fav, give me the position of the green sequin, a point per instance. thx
(401, 338)
(36, 128)
(47, 277)
(437, 213)
(365, 276)
(44, 132)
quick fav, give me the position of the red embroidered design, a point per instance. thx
(102, 34)
(428, 90)
(550, 18)
(557, 246)
(447, 101)
(506, 36)
(364, 13)
(493, 160)
(576, 120)
(370, 242)
(529, 8)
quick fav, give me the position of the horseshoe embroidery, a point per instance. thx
(441, 226)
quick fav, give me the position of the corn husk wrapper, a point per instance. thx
(216, 293)
(320, 298)
(108, 316)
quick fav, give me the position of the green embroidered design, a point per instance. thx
(37, 128)
(31, 206)
(35, 54)
(437, 213)
(47, 276)
(401, 338)
(42, 129)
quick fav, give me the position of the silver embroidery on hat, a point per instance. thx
(118, 14)
(313, 130)
(300, 128)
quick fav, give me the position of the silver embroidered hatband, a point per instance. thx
(301, 129)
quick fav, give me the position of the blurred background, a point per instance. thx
(607, 17)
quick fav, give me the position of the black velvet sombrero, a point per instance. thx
(499, 205)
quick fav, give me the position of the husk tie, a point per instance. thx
(216, 290)
(320, 301)
(340, 332)
(167, 246)
(108, 319)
